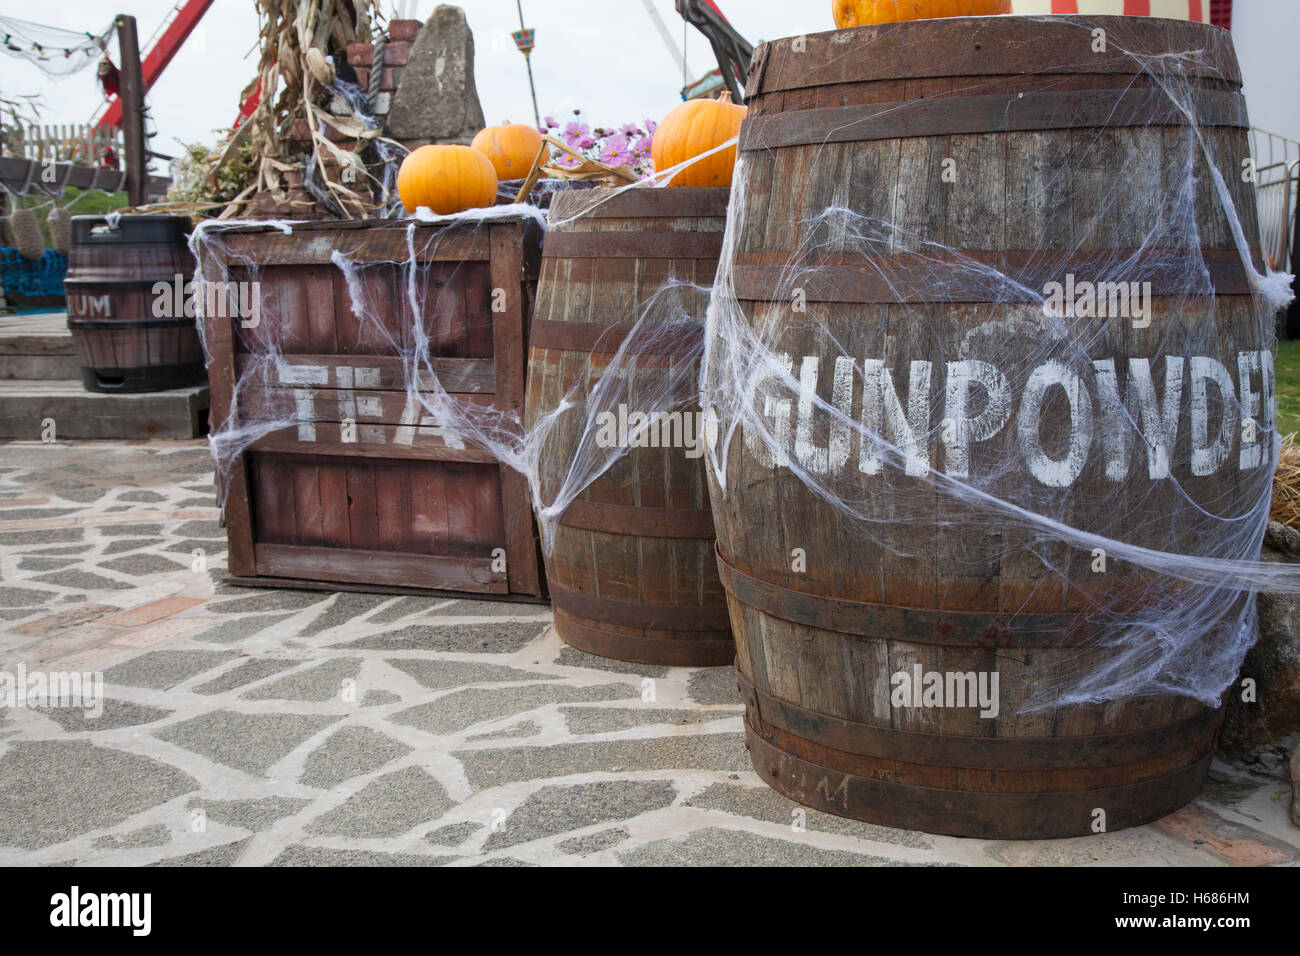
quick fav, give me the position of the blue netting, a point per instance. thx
(42, 277)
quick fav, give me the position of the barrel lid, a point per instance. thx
(166, 230)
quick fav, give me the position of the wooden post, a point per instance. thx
(131, 92)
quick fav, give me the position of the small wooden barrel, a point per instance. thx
(130, 311)
(1063, 160)
(632, 575)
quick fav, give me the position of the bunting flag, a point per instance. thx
(54, 50)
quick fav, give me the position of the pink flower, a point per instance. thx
(575, 131)
(587, 142)
(617, 151)
(551, 122)
(650, 127)
(642, 147)
(630, 129)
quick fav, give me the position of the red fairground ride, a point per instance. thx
(158, 52)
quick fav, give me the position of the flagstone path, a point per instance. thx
(282, 727)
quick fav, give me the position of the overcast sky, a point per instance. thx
(605, 57)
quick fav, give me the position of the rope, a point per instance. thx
(376, 71)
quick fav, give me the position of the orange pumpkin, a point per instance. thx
(856, 13)
(447, 179)
(696, 127)
(511, 147)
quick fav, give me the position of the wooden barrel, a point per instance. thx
(131, 333)
(1063, 159)
(632, 574)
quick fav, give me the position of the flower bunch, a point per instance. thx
(626, 145)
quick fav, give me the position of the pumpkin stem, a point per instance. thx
(724, 96)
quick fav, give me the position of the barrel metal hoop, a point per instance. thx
(989, 113)
(667, 617)
(980, 276)
(977, 753)
(687, 651)
(683, 339)
(133, 281)
(1005, 816)
(945, 628)
(123, 325)
(633, 245)
(143, 378)
(637, 521)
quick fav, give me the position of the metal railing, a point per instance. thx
(1275, 195)
(1277, 184)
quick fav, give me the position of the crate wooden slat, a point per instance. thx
(352, 485)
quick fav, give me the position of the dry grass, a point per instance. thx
(1286, 485)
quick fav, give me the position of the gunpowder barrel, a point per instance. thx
(631, 572)
(130, 309)
(959, 520)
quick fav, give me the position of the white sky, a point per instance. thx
(604, 56)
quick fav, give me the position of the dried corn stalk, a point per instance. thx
(296, 37)
(586, 170)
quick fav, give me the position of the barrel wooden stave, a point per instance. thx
(1027, 190)
(121, 344)
(632, 573)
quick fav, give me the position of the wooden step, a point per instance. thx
(28, 409)
(37, 346)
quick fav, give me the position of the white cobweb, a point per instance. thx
(1110, 460)
(985, 410)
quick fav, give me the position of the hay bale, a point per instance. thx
(1285, 508)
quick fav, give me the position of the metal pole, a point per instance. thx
(537, 115)
(131, 93)
(1293, 313)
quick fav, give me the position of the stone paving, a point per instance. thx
(281, 727)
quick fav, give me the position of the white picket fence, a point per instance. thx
(72, 143)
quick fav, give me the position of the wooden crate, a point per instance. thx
(357, 488)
